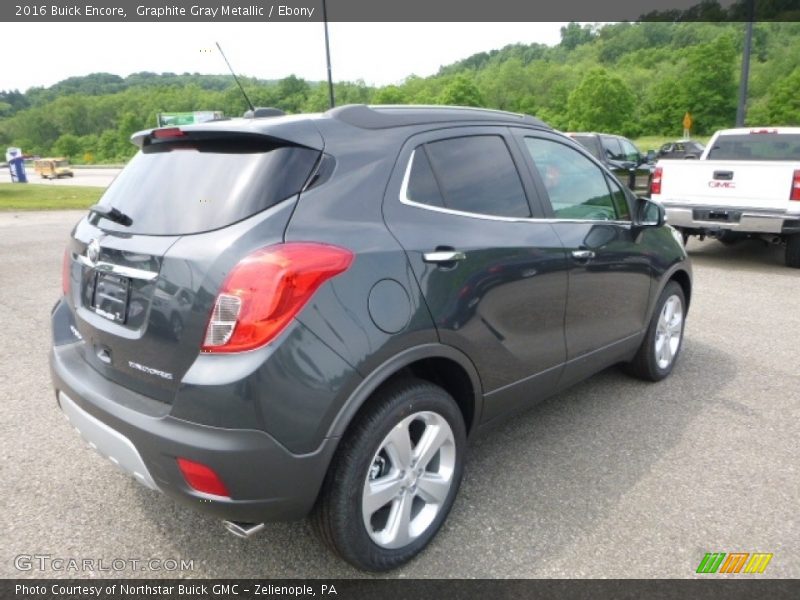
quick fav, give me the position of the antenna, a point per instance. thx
(328, 52)
(235, 78)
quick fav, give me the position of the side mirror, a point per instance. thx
(650, 213)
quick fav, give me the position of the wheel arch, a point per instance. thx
(440, 364)
(682, 278)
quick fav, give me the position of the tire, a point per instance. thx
(793, 251)
(662, 343)
(408, 411)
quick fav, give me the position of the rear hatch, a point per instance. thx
(187, 207)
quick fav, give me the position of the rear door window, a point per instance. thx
(196, 185)
(474, 174)
(756, 146)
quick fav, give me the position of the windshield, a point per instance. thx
(756, 146)
(188, 187)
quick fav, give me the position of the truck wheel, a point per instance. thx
(394, 477)
(793, 251)
(661, 344)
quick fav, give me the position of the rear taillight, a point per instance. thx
(266, 290)
(66, 268)
(202, 478)
(655, 182)
(794, 195)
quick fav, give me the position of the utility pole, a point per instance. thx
(741, 109)
(328, 53)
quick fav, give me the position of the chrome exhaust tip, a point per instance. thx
(243, 530)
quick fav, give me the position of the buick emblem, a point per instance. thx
(93, 251)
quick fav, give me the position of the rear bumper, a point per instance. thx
(266, 481)
(745, 220)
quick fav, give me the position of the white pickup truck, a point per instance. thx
(745, 184)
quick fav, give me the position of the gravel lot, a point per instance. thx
(615, 478)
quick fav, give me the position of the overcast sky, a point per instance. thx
(41, 54)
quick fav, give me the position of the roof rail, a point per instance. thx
(400, 115)
(260, 112)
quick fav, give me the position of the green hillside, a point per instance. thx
(636, 79)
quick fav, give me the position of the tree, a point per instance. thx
(505, 85)
(461, 91)
(391, 94)
(573, 35)
(783, 102)
(601, 102)
(67, 145)
(292, 93)
(710, 86)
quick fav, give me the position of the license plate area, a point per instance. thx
(111, 295)
(726, 216)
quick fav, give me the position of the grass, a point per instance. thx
(34, 196)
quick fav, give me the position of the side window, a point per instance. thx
(620, 201)
(422, 186)
(612, 148)
(629, 150)
(576, 186)
(474, 174)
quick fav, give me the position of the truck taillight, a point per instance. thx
(655, 182)
(66, 268)
(795, 193)
(265, 290)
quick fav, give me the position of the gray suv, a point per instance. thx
(267, 318)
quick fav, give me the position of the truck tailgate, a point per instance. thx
(733, 184)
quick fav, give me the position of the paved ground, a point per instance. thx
(89, 177)
(615, 478)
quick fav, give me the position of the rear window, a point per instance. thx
(191, 186)
(756, 146)
(590, 142)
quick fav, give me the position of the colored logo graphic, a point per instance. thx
(734, 562)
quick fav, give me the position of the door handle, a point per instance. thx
(582, 254)
(443, 256)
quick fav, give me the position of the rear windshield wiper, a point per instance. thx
(112, 214)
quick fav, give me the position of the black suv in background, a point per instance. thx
(621, 157)
(271, 317)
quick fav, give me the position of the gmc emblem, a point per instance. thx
(728, 185)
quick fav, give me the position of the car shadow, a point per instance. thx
(751, 255)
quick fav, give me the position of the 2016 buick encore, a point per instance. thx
(273, 317)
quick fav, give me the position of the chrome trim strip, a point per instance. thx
(443, 256)
(121, 270)
(404, 199)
